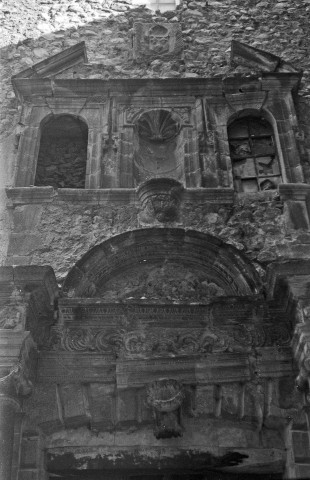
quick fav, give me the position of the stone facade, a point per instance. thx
(154, 307)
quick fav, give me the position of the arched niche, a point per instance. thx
(160, 265)
(158, 146)
(62, 155)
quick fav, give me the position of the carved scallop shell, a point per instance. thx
(157, 126)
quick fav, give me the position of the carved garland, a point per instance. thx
(166, 397)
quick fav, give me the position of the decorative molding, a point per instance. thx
(294, 191)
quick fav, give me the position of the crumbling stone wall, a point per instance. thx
(59, 232)
(37, 29)
(62, 164)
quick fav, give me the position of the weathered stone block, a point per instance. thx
(26, 217)
(204, 400)
(102, 406)
(42, 408)
(126, 406)
(21, 244)
(73, 405)
(301, 445)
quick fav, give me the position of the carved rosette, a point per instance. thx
(165, 397)
(160, 199)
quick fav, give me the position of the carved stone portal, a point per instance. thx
(160, 199)
(166, 397)
(157, 40)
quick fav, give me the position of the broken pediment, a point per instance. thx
(56, 64)
(256, 59)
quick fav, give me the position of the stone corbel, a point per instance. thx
(301, 344)
(18, 381)
(165, 397)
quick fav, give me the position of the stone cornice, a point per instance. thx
(33, 195)
(294, 191)
(29, 88)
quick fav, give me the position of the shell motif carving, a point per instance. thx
(157, 126)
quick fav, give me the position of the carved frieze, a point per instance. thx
(157, 40)
(167, 342)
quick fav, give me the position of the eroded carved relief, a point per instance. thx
(160, 199)
(153, 40)
(166, 397)
(13, 317)
(164, 283)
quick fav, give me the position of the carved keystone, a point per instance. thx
(160, 199)
(166, 397)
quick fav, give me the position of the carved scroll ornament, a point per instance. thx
(134, 344)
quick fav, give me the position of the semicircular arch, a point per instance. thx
(162, 264)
